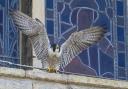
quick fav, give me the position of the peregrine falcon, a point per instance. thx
(54, 57)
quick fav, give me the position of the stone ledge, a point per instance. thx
(12, 72)
(63, 78)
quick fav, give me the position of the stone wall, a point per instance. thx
(11, 78)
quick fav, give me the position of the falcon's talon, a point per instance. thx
(51, 70)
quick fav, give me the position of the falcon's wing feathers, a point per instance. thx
(79, 41)
(25, 23)
(35, 30)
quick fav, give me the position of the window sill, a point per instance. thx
(62, 78)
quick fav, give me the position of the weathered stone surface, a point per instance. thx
(76, 80)
(2, 84)
(4, 71)
(41, 75)
(10, 83)
(83, 87)
(48, 85)
(37, 79)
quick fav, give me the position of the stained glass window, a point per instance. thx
(108, 57)
(9, 43)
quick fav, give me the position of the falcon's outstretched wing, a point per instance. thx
(79, 41)
(35, 30)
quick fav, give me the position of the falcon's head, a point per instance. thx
(55, 48)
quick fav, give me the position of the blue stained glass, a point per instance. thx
(77, 15)
(104, 44)
(95, 15)
(106, 63)
(121, 59)
(120, 21)
(15, 53)
(60, 6)
(13, 4)
(2, 2)
(13, 41)
(110, 12)
(12, 35)
(120, 33)
(83, 3)
(110, 51)
(1, 39)
(120, 10)
(1, 26)
(103, 20)
(85, 18)
(51, 38)
(84, 57)
(16, 61)
(49, 4)
(108, 75)
(67, 1)
(49, 14)
(0, 49)
(65, 14)
(83, 69)
(64, 27)
(69, 32)
(121, 46)
(74, 16)
(121, 72)
(94, 58)
(1, 16)
(50, 27)
(1, 32)
(102, 4)
(9, 44)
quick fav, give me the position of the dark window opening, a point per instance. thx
(26, 50)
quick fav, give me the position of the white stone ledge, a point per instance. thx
(62, 78)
